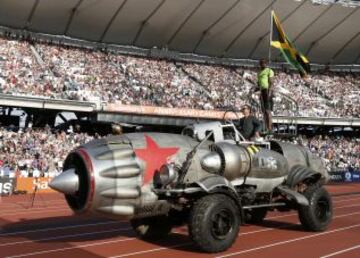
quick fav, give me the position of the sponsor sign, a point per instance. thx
(29, 184)
(173, 112)
(345, 177)
(7, 185)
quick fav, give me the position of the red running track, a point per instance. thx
(49, 229)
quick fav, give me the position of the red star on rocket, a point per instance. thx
(154, 157)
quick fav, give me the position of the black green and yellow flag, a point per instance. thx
(280, 41)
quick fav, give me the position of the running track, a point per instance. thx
(49, 229)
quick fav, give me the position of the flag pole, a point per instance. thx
(271, 31)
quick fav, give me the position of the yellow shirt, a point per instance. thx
(263, 78)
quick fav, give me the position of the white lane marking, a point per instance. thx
(150, 250)
(66, 236)
(37, 211)
(72, 247)
(53, 210)
(346, 200)
(295, 213)
(241, 234)
(26, 209)
(56, 228)
(289, 241)
(295, 224)
(341, 251)
(79, 246)
(36, 202)
(356, 193)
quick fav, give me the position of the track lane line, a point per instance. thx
(240, 234)
(65, 205)
(72, 247)
(289, 241)
(151, 250)
(37, 211)
(27, 209)
(341, 251)
(56, 228)
(295, 213)
(285, 215)
(66, 236)
(272, 217)
(30, 209)
(113, 222)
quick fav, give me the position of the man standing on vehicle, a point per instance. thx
(265, 84)
(249, 126)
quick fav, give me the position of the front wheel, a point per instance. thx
(214, 223)
(318, 215)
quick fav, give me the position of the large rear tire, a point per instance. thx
(214, 223)
(318, 215)
(152, 228)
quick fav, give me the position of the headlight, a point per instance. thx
(166, 175)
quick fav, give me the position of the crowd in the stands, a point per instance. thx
(36, 152)
(55, 71)
(41, 152)
(339, 153)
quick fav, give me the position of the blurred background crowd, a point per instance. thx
(62, 72)
(41, 152)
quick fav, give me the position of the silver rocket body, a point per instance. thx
(113, 176)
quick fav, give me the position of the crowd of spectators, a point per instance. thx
(62, 72)
(339, 153)
(41, 152)
(36, 152)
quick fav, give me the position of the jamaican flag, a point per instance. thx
(291, 54)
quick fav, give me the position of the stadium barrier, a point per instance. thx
(7, 185)
(345, 177)
(29, 184)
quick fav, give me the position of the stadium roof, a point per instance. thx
(222, 28)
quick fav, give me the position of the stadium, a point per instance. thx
(78, 72)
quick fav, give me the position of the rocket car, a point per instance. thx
(208, 177)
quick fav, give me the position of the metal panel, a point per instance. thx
(51, 16)
(92, 17)
(325, 23)
(14, 13)
(208, 27)
(350, 53)
(164, 24)
(330, 43)
(129, 20)
(234, 23)
(192, 31)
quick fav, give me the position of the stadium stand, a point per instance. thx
(90, 75)
(41, 151)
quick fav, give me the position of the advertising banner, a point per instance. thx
(29, 184)
(345, 177)
(173, 112)
(7, 185)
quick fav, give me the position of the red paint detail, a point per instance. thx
(154, 157)
(85, 156)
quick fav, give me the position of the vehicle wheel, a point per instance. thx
(256, 215)
(214, 223)
(318, 215)
(152, 227)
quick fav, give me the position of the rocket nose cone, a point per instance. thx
(211, 162)
(67, 182)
